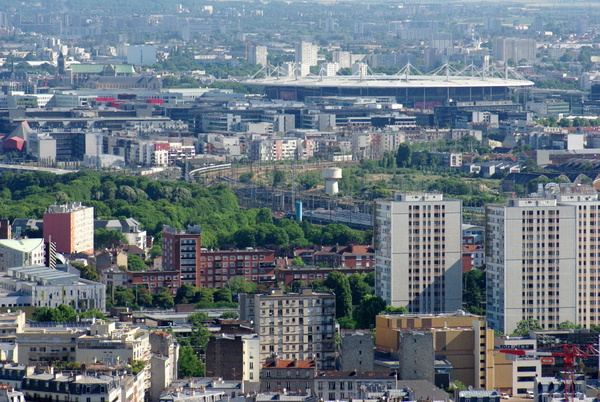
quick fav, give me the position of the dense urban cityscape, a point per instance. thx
(299, 201)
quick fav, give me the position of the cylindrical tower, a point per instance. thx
(331, 177)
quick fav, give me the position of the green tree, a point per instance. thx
(185, 294)
(189, 363)
(394, 310)
(365, 313)
(106, 238)
(297, 285)
(568, 325)
(87, 272)
(525, 326)
(204, 295)
(230, 314)
(359, 288)
(223, 295)
(279, 177)
(62, 313)
(239, 284)
(163, 299)
(135, 263)
(297, 261)
(474, 291)
(404, 155)
(339, 284)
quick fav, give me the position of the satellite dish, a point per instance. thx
(470, 388)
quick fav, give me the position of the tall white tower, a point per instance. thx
(331, 177)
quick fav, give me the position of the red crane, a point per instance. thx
(569, 353)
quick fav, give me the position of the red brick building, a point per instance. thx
(310, 273)
(181, 252)
(155, 281)
(352, 256)
(217, 267)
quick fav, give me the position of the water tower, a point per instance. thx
(331, 176)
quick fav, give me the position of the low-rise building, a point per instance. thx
(219, 266)
(40, 286)
(108, 345)
(59, 386)
(277, 374)
(20, 252)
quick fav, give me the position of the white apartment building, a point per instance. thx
(16, 253)
(418, 252)
(586, 205)
(531, 263)
(258, 55)
(293, 325)
(281, 149)
(306, 53)
(514, 48)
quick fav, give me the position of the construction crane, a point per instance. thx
(569, 354)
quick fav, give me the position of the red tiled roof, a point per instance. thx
(278, 363)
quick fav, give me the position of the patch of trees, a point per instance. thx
(63, 313)
(155, 203)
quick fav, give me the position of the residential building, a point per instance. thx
(217, 267)
(163, 362)
(293, 325)
(71, 227)
(473, 256)
(257, 54)
(111, 346)
(131, 229)
(531, 263)
(17, 253)
(144, 55)
(418, 251)
(277, 374)
(181, 252)
(40, 286)
(309, 273)
(156, 280)
(59, 386)
(353, 384)
(462, 339)
(505, 49)
(351, 256)
(51, 343)
(306, 53)
(233, 357)
(586, 207)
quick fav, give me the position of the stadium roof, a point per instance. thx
(407, 77)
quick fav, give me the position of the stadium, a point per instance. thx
(409, 86)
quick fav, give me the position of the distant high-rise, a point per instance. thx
(419, 252)
(257, 55)
(141, 55)
(306, 53)
(515, 49)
